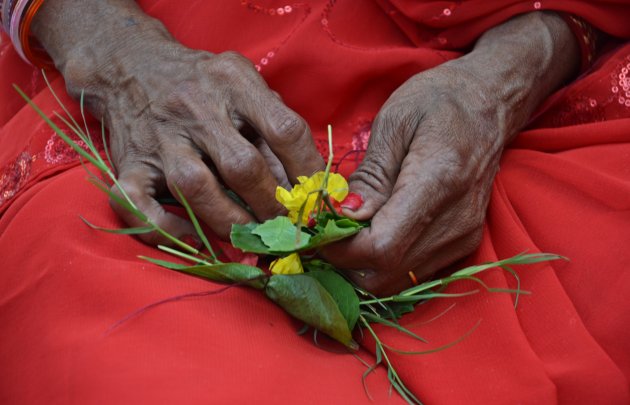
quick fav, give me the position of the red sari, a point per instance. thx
(563, 187)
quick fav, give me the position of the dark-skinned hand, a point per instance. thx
(435, 148)
(177, 117)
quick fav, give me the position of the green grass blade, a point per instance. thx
(195, 222)
(165, 264)
(393, 377)
(431, 295)
(377, 319)
(437, 349)
(122, 202)
(183, 255)
(81, 105)
(123, 231)
(105, 147)
(59, 132)
(54, 94)
(518, 283)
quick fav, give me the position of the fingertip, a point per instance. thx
(358, 207)
(192, 240)
(352, 202)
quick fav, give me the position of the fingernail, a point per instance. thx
(352, 202)
(192, 240)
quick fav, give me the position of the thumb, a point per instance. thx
(372, 182)
(376, 176)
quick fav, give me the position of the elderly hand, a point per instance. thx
(177, 117)
(435, 148)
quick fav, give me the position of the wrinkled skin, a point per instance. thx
(214, 111)
(189, 119)
(435, 148)
(426, 180)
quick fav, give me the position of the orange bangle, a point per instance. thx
(38, 57)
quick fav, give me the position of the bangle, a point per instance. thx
(5, 14)
(36, 56)
(17, 17)
(14, 25)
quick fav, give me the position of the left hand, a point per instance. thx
(426, 180)
(435, 148)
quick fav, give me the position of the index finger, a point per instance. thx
(286, 133)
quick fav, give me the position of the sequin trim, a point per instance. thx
(32, 161)
(14, 176)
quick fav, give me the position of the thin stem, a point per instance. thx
(394, 378)
(183, 255)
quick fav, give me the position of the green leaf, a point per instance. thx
(349, 223)
(165, 263)
(223, 272)
(341, 291)
(231, 273)
(317, 264)
(122, 231)
(280, 235)
(304, 298)
(398, 309)
(243, 238)
(332, 232)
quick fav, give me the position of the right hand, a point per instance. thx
(192, 120)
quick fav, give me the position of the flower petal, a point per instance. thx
(287, 265)
(337, 186)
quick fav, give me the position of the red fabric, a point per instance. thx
(563, 187)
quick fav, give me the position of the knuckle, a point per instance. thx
(243, 167)
(188, 176)
(230, 63)
(77, 77)
(290, 128)
(233, 57)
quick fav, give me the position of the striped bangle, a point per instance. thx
(5, 14)
(17, 17)
(36, 55)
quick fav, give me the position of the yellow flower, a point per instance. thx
(305, 194)
(287, 265)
